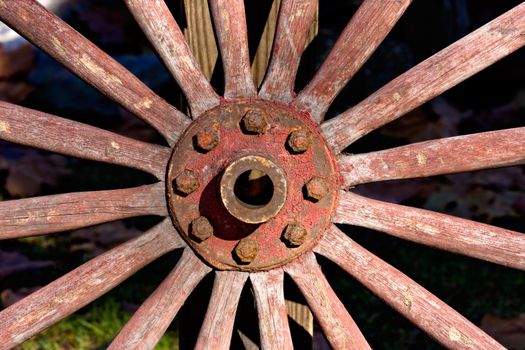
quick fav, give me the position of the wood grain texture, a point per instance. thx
(430, 78)
(366, 30)
(437, 230)
(216, 330)
(411, 300)
(229, 18)
(51, 133)
(337, 324)
(81, 286)
(163, 32)
(268, 291)
(200, 35)
(57, 213)
(91, 64)
(295, 22)
(150, 321)
(437, 157)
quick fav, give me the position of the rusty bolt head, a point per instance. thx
(295, 234)
(206, 140)
(255, 122)
(186, 182)
(201, 229)
(246, 250)
(299, 141)
(316, 188)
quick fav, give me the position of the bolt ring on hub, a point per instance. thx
(289, 153)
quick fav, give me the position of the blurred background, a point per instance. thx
(490, 296)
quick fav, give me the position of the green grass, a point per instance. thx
(92, 330)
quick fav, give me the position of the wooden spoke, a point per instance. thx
(366, 30)
(49, 214)
(162, 30)
(411, 300)
(70, 48)
(151, 320)
(441, 231)
(295, 21)
(217, 328)
(337, 324)
(430, 78)
(76, 289)
(230, 26)
(437, 157)
(36, 129)
(271, 309)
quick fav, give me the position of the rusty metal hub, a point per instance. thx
(252, 185)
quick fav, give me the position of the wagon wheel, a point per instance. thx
(252, 186)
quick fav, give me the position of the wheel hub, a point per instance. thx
(252, 185)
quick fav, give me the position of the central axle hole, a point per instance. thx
(254, 188)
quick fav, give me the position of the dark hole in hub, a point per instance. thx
(254, 188)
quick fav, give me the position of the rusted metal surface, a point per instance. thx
(498, 245)
(294, 234)
(235, 144)
(407, 297)
(86, 283)
(430, 78)
(251, 213)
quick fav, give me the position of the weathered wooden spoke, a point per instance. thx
(162, 30)
(403, 294)
(83, 58)
(295, 22)
(76, 289)
(48, 132)
(366, 30)
(56, 213)
(437, 157)
(268, 292)
(337, 324)
(216, 330)
(229, 18)
(437, 230)
(149, 323)
(430, 78)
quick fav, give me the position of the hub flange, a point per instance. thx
(274, 176)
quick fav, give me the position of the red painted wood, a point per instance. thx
(337, 324)
(268, 291)
(83, 58)
(230, 27)
(411, 300)
(49, 214)
(295, 22)
(36, 129)
(151, 320)
(81, 286)
(437, 230)
(162, 30)
(444, 156)
(216, 330)
(430, 78)
(366, 30)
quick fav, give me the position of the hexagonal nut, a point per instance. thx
(299, 141)
(294, 234)
(201, 229)
(255, 122)
(316, 188)
(186, 182)
(206, 140)
(246, 250)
